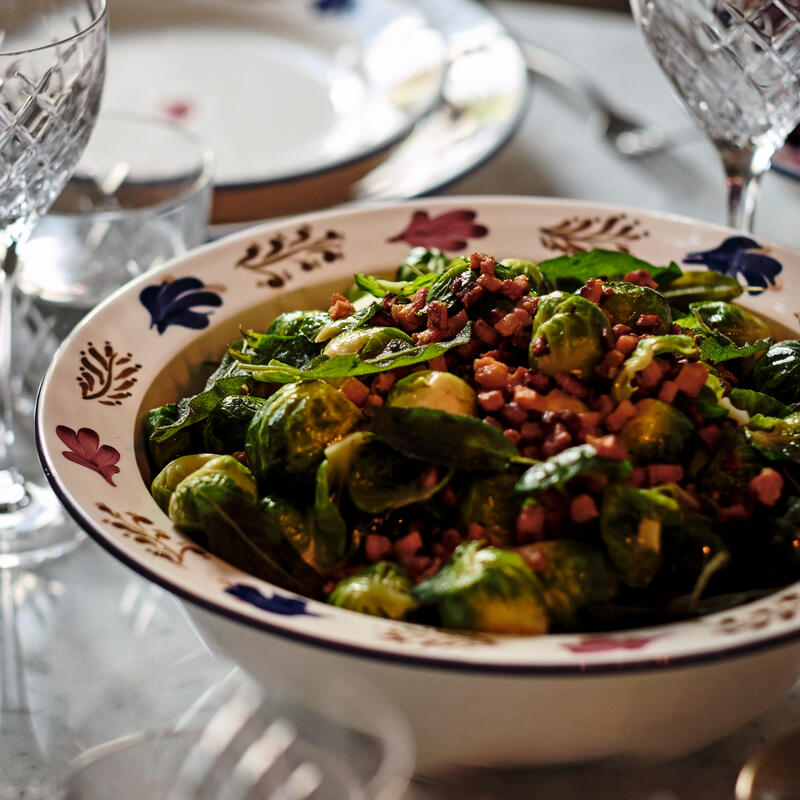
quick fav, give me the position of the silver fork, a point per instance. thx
(630, 137)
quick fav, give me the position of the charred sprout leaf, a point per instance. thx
(657, 433)
(172, 474)
(382, 590)
(164, 451)
(291, 430)
(370, 342)
(510, 268)
(558, 470)
(573, 575)
(574, 330)
(629, 301)
(741, 326)
(777, 371)
(381, 479)
(420, 261)
(261, 348)
(442, 289)
(571, 272)
(434, 389)
(641, 358)
(699, 285)
(486, 589)
(631, 526)
(777, 439)
(351, 365)
(492, 501)
(437, 437)
(229, 378)
(226, 425)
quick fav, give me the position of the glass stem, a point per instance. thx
(7, 271)
(744, 167)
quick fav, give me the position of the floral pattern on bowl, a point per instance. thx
(357, 240)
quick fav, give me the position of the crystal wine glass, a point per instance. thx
(735, 64)
(52, 65)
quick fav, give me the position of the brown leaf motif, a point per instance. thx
(143, 530)
(581, 234)
(449, 231)
(300, 248)
(106, 375)
(784, 606)
(85, 449)
(419, 636)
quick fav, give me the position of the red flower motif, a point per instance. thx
(448, 231)
(85, 449)
(602, 644)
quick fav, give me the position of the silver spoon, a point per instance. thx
(628, 136)
(773, 773)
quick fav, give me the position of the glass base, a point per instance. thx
(34, 526)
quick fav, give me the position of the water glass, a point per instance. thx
(140, 195)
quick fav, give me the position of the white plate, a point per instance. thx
(594, 694)
(300, 100)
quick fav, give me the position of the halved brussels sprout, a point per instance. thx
(777, 371)
(227, 424)
(486, 589)
(434, 389)
(492, 501)
(163, 485)
(574, 330)
(658, 432)
(368, 342)
(737, 323)
(630, 301)
(382, 590)
(573, 575)
(291, 430)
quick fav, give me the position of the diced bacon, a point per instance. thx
(603, 405)
(491, 400)
(619, 329)
(383, 381)
(638, 477)
(583, 508)
(485, 332)
(355, 391)
(648, 321)
(531, 522)
(490, 373)
(737, 511)
(572, 385)
(539, 346)
(340, 307)
(438, 364)
(490, 282)
(375, 400)
(640, 277)
(767, 486)
(508, 325)
(408, 546)
(529, 303)
(692, 378)
(652, 375)
(626, 343)
(428, 477)
(667, 391)
(658, 474)
(407, 315)
(514, 414)
(472, 295)
(482, 262)
(609, 365)
(709, 435)
(513, 435)
(514, 289)
(531, 430)
(376, 547)
(534, 557)
(557, 440)
(620, 415)
(475, 531)
(608, 446)
(592, 290)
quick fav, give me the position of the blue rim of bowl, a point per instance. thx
(422, 661)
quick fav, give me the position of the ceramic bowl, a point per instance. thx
(480, 699)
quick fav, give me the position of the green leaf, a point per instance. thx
(438, 437)
(380, 288)
(571, 272)
(698, 285)
(560, 469)
(717, 347)
(346, 366)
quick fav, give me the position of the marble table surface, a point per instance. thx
(90, 651)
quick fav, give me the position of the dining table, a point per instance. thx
(90, 651)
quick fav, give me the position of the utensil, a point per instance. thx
(735, 64)
(629, 136)
(52, 60)
(773, 772)
(470, 698)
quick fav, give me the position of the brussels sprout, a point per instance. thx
(227, 424)
(777, 371)
(658, 432)
(299, 323)
(492, 501)
(382, 479)
(573, 575)
(486, 589)
(574, 329)
(700, 285)
(433, 389)
(735, 322)
(368, 342)
(217, 480)
(291, 523)
(291, 430)
(629, 301)
(538, 282)
(172, 474)
(382, 590)
(162, 452)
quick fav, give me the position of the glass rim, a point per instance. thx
(99, 18)
(206, 159)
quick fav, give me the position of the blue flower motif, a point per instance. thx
(276, 603)
(334, 5)
(173, 303)
(735, 257)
